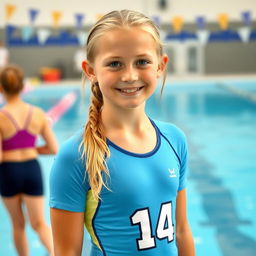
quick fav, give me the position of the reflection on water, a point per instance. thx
(184, 103)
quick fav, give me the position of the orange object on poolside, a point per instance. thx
(50, 74)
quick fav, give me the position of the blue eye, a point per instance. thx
(114, 64)
(142, 62)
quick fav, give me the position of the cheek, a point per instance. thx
(151, 76)
(106, 78)
(152, 79)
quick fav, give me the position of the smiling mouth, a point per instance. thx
(130, 90)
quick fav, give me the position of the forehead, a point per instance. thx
(133, 40)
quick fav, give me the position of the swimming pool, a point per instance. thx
(220, 124)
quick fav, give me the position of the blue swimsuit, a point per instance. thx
(137, 215)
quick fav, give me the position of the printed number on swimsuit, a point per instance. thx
(164, 229)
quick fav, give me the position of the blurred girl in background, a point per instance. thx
(20, 174)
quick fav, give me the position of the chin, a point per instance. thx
(134, 105)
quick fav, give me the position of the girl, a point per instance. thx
(20, 174)
(124, 175)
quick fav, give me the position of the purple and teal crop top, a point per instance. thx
(22, 138)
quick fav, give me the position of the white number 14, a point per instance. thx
(164, 228)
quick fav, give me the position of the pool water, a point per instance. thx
(220, 125)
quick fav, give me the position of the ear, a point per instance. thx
(89, 70)
(162, 65)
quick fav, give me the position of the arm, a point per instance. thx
(1, 154)
(184, 237)
(67, 230)
(50, 146)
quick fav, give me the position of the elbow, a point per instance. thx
(183, 231)
(54, 151)
(53, 148)
(49, 150)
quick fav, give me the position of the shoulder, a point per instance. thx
(68, 163)
(170, 131)
(68, 172)
(174, 136)
(39, 116)
(72, 142)
(38, 111)
(2, 117)
(70, 149)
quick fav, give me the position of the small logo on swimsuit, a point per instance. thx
(172, 173)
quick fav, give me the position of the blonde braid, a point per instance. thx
(95, 147)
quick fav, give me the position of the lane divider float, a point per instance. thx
(59, 109)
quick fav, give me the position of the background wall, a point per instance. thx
(187, 8)
(217, 57)
(230, 58)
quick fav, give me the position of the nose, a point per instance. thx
(129, 75)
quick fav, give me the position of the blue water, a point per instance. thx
(221, 131)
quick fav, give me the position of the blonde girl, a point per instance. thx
(20, 174)
(123, 176)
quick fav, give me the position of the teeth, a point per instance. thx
(130, 90)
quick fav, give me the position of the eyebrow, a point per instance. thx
(144, 55)
(137, 56)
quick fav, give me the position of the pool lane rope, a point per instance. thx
(239, 92)
(59, 109)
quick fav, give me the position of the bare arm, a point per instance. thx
(50, 146)
(1, 154)
(67, 230)
(184, 237)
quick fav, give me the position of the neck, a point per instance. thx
(131, 119)
(13, 99)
